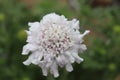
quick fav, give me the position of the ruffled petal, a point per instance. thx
(61, 60)
(44, 68)
(29, 60)
(28, 47)
(54, 69)
(77, 58)
(33, 26)
(70, 57)
(69, 67)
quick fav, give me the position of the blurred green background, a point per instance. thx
(101, 17)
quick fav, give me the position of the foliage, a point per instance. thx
(101, 59)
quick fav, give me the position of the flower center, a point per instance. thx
(55, 39)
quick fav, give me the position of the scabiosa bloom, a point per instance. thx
(53, 42)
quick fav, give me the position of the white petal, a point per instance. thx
(34, 58)
(69, 67)
(77, 58)
(34, 26)
(37, 57)
(54, 69)
(48, 64)
(70, 57)
(82, 48)
(61, 60)
(35, 61)
(85, 33)
(47, 58)
(75, 24)
(29, 60)
(25, 50)
(28, 32)
(44, 69)
(53, 18)
(29, 47)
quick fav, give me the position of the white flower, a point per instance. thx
(53, 42)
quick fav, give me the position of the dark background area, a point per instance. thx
(101, 17)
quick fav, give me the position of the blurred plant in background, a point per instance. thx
(102, 57)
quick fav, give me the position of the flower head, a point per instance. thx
(53, 42)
